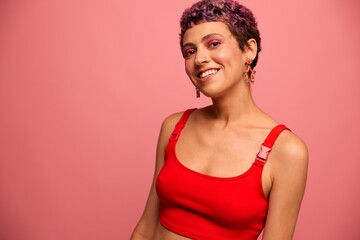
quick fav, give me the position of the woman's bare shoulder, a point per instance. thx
(290, 151)
(169, 123)
(291, 145)
(171, 120)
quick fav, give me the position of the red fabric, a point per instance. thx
(199, 206)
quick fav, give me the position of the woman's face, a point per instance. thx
(214, 61)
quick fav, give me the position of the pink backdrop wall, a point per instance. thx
(84, 86)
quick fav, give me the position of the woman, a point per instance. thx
(211, 181)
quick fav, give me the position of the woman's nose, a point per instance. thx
(201, 58)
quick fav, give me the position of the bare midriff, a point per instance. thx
(163, 233)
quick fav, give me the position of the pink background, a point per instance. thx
(84, 86)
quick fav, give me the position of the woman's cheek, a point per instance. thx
(188, 69)
(223, 55)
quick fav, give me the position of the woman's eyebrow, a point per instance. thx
(202, 39)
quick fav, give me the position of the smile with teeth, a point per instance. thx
(208, 73)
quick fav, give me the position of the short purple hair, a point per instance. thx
(238, 18)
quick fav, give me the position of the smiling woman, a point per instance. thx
(215, 55)
(84, 86)
(211, 179)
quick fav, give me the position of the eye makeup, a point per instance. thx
(211, 40)
(213, 43)
(188, 51)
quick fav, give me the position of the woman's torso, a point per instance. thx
(213, 149)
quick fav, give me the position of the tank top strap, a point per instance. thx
(180, 125)
(267, 145)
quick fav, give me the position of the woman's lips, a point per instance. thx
(205, 75)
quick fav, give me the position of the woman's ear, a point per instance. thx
(251, 48)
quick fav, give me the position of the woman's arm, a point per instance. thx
(146, 227)
(288, 169)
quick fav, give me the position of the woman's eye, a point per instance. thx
(189, 52)
(214, 43)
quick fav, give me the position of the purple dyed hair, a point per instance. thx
(238, 18)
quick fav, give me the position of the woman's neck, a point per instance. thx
(234, 107)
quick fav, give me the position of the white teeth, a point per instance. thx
(208, 73)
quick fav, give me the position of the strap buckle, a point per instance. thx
(263, 153)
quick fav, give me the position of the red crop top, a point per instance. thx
(200, 206)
